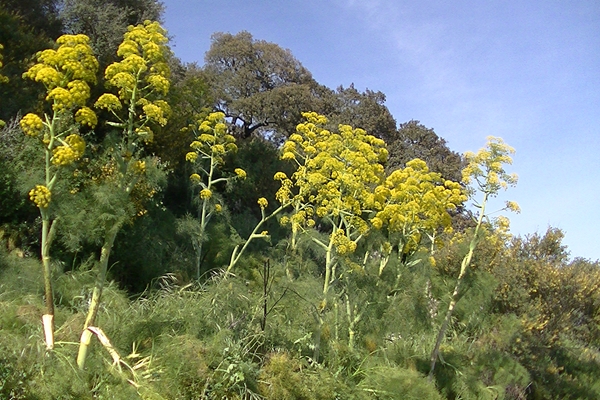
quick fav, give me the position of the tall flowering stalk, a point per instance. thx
(213, 142)
(66, 73)
(484, 174)
(141, 80)
(334, 183)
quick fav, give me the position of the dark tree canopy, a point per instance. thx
(414, 140)
(363, 110)
(261, 87)
(26, 27)
(40, 16)
(106, 21)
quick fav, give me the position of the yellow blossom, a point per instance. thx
(263, 203)
(279, 176)
(195, 178)
(191, 156)
(72, 150)
(31, 124)
(240, 173)
(108, 101)
(40, 195)
(86, 116)
(139, 167)
(205, 194)
(513, 206)
(218, 208)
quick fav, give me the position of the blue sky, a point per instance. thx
(526, 71)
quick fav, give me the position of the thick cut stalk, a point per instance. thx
(463, 269)
(48, 229)
(96, 296)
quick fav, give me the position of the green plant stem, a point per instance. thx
(48, 231)
(204, 217)
(353, 319)
(453, 300)
(90, 320)
(235, 256)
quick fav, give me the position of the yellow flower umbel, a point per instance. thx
(263, 203)
(414, 202)
(71, 150)
(141, 79)
(41, 196)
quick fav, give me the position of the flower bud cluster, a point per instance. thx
(70, 151)
(31, 124)
(40, 195)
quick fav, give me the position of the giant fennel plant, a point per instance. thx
(140, 80)
(484, 175)
(66, 73)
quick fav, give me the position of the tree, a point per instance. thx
(364, 110)
(26, 27)
(41, 16)
(414, 140)
(260, 87)
(105, 22)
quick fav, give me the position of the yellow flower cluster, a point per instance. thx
(513, 206)
(66, 71)
(262, 203)
(73, 60)
(240, 173)
(413, 201)
(486, 167)
(40, 195)
(191, 156)
(86, 116)
(157, 111)
(205, 194)
(212, 143)
(70, 151)
(195, 178)
(343, 244)
(108, 101)
(145, 133)
(138, 167)
(336, 171)
(143, 64)
(31, 124)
